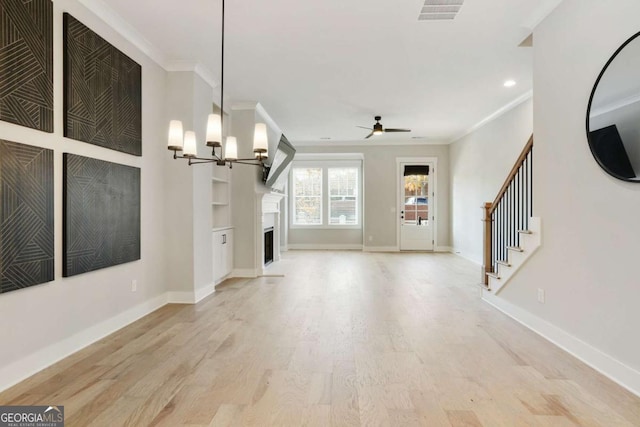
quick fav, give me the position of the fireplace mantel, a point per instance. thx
(271, 202)
(268, 204)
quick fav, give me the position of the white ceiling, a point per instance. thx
(320, 68)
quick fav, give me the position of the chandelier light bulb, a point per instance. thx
(175, 135)
(190, 149)
(231, 148)
(214, 130)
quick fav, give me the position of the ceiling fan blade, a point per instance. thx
(362, 127)
(397, 130)
(369, 136)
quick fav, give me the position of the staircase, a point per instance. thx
(511, 233)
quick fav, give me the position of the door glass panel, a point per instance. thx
(416, 199)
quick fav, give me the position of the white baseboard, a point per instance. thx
(245, 273)
(180, 297)
(613, 369)
(381, 249)
(204, 292)
(27, 366)
(462, 255)
(443, 249)
(323, 247)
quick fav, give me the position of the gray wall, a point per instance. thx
(380, 195)
(588, 262)
(188, 203)
(49, 321)
(480, 162)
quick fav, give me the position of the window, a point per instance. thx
(343, 196)
(307, 192)
(326, 194)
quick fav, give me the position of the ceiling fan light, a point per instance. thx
(377, 132)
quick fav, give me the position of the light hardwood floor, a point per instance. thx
(345, 338)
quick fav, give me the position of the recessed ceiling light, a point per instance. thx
(510, 83)
(325, 137)
(418, 137)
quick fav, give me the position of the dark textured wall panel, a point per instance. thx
(26, 216)
(26, 63)
(102, 94)
(101, 214)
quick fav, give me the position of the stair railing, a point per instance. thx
(508, 213)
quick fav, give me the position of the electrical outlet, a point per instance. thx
(134, 285)
(541, 295)
(371, 238)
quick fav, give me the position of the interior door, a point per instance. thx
(416, 200)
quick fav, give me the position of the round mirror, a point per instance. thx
(613, 115)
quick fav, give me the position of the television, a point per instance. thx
(275, 176)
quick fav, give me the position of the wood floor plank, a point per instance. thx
(342, 339)
(228, 416)
(463, 419)
(317, 416)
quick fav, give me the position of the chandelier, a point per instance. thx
(185, 141)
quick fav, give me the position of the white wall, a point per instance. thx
(588, 262)
(480, 162)
(46, 322)
(380, 194)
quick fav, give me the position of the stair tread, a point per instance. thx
(525, 232)
(505, 263)
(494, 275)
(515, 248)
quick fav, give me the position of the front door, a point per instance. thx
(416, 201)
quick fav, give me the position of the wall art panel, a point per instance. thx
(102, 94)
(26, 216)
(101, 224)
(26, 63)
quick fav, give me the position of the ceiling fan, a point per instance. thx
(377, 128)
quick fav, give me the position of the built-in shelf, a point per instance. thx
(220, 198)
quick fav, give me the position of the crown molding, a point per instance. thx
(615, 105)
(193, 67)
(259, 109)
(499, 112)
(120, 25)
(126, 30)
(370, 143)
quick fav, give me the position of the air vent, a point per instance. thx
(439, 10)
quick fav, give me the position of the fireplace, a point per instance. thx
(267, 237)
(268, 245)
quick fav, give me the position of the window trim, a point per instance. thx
(327, 164)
